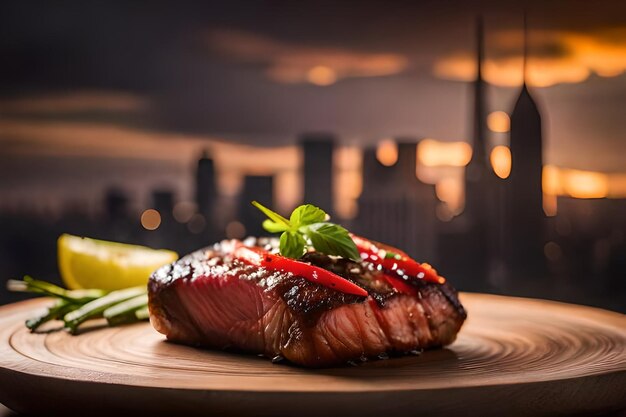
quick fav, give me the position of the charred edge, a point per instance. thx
(453, 297)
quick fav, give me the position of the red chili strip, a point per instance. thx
(394, 260)
(262, 258)
(400, 285)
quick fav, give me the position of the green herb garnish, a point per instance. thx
(308, 226)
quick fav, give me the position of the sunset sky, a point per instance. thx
(129, 94)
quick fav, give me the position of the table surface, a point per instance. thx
(510, 347)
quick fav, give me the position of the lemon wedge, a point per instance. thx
(91, 263)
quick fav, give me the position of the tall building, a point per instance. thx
(318, 149)
(163, 202)
(116, 204)
(255, 188)
(525, 217)
(481, 186)
(206, 189)
(118, 222)
(395, 207)
(478, 167)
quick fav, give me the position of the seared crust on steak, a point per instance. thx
(209, 298)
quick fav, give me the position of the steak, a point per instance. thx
(212, 298)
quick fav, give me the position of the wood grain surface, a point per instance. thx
(515, 356)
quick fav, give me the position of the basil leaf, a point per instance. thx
(332, 239)
(307, 214)
(274, 227)
(292, 244)
(275, 217)
(308, 226)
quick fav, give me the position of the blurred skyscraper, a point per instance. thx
(163, 202)
(206, 194)
(481, 218)
(397, 208)
(318, 151)
(525, 216)
(116, 204)
(261, 189)
(501, 229)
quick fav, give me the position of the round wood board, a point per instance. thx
(513, 356)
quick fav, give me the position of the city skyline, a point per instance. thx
(396, 207)
(137, 115)
(434, 168)
(163, 141)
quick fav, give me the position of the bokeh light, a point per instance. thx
(551, 181)
(552, 251)
(550, 204)
(348, 185)
(433, 152)
(235, 230)
(585, 184)
(387, 152)
(150, 219)
(450, 191)
(500, 158)
(183, 211)
(196, 224)
(575, 183)
(499, 122)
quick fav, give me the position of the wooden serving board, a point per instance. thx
(513, 356)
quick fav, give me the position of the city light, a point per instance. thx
(450, 191)
(433, 152)
(617, 185)
(576, 183)
(348, 185)
(235, 230)
(584, 184)
(321, 75)
(499, 122)
(552, 251)
(551, 180)
(550, 204)
(183, 211)
(150, 219)
(347, 188)
(500, 158)
(387, 152)
(288, 189)
(196, 224)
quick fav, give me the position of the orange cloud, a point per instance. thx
(441, 163)
(62, 139)
(555, 57)
(73, 102)
(290, 63)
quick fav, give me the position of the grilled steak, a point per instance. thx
(215, 299)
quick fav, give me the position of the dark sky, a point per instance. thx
(237, 70)
(162, 50)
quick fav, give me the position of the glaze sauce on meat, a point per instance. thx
(216, 299)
